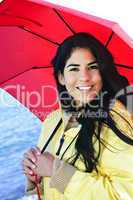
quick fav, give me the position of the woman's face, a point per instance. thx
(81, 76)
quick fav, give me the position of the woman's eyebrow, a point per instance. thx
(71, 65)
(94, 62)
(77, 65)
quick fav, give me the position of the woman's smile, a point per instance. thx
(84, 88)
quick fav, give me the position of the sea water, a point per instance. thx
(19, 131)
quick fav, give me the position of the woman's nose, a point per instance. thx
(85, 74)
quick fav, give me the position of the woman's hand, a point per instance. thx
(28, 164)
(44, 164)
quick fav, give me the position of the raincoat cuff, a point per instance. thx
(61, 175)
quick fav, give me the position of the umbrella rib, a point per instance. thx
(19, 17)
(35, 67)
(109, 39)
(124, 66)
(38, 35)
(64, 21)
(119, 65)
(44, 67)
(33, 21)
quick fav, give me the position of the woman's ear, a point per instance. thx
(61, 79)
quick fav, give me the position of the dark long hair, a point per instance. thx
(112, 83)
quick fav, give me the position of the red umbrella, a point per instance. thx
(30, 33)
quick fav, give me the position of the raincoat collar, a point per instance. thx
(69, 118)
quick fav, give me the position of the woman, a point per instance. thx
(89, 156)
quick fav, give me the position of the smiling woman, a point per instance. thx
(81, 76)
(84, 149)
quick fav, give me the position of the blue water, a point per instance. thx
(19, 130)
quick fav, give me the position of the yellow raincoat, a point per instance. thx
(114, 180)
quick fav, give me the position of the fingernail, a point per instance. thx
(33, 166)
(38, 153)
(31, 173)
(33, 160)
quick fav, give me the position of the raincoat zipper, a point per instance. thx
(61, 144)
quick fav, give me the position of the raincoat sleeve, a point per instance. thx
(113, 185)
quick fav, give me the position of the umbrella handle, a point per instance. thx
(37, 188)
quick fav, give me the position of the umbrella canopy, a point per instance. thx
(31, 31)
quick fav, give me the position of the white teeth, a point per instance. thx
(84, 87)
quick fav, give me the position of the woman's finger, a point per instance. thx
(28, 171)
(31, 155)
(38, 151)
(28, 163)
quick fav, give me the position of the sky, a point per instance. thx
(119, 11)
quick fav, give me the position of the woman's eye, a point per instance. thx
(93, 67)
(74, 69)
